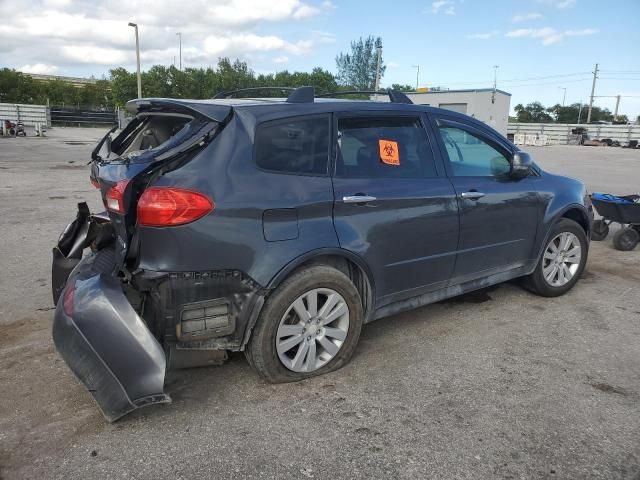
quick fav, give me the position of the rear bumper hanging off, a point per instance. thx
(104, 341)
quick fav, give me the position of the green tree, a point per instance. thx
(402, 88)
(357, 69)
(16, 87)
(534, 112)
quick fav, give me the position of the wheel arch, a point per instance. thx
(347, 262)
(577, 213)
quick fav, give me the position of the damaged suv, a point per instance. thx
(278, 227)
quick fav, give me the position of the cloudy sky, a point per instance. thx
(540, 46)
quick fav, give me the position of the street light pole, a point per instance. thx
(417, 67)
(179, 34)
(495, 83)
(135, 25)
(564, 95)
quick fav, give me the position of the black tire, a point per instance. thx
(536, 281)
(626, 239)
(261, 350)
(599, 231)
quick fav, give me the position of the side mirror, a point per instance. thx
(520, 165)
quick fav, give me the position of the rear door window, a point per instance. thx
(383, 147)
(297, 145)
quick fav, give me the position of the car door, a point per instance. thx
(394, 205)
(498, 214)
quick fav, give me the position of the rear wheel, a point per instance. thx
(309, 326)
(599, 231)
(626, 239)
(563, 260)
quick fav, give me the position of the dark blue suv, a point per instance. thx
(278, 227)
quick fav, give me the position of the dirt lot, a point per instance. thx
(497, 384)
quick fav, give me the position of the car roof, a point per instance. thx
(265, 109)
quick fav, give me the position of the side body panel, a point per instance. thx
(261, 222)
(407, 235)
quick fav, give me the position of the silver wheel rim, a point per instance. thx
(561, 259)
(312, 330)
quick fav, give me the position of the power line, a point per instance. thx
(514, 79)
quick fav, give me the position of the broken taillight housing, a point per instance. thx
(67, 299)
(169, 206)
(114, 199)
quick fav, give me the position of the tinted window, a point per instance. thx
(470, 156)
(383, 147)
(299, 145)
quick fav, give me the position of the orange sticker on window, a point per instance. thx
(389, 153)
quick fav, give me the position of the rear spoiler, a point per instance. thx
(217, 112)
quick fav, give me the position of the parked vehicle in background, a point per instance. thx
(278, 227)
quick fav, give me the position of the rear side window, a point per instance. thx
(383, 147)
(296, 145)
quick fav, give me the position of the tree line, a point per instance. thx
(535, 112)
(356, 70)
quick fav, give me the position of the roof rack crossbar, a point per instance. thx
(297, 95)
(394, 95)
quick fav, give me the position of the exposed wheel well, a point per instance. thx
(352, 270)
(579, 217)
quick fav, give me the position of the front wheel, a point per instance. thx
(563, 260)
(310, 325)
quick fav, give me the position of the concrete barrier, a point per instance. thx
(560, 133)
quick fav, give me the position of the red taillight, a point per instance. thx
(94, 182)
(167, 206)
(114, 200)
(67, 299)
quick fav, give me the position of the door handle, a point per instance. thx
(358, 199)
(472, 195)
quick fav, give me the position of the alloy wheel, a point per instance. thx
(561, 259)
(312, 330)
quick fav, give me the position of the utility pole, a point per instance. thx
(564, 95)
(135, 25)
(495, 83)
(615, 114)
(417, 67)
(593, 89)
(179, 34)
(379, 51)
(580, 112)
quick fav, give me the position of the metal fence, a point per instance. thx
(73, 117)
(30, 115)
(560, 134)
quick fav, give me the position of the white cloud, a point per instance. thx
(445, 6)
(548, 35)
(581, 33)
(483, 36)
(392, 64)
(561, 4)
(41, 68)
(67, 34)
(521, 17)
(281, 59)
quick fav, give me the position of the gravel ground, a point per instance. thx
(496, 384)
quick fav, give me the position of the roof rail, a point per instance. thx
(297, 95)
(307, 94)
(394, 95)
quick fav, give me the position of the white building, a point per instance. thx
(484, 104)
